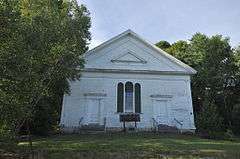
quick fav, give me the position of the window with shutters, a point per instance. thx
(137, 98)
(128, 97)
(120, 89)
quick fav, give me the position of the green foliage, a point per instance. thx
(216, 63)
(40, 51)
(209, 121)
(236, 119)
(179, 49)
(163, 45)
(237, 57)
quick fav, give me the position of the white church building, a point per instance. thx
(126, 76)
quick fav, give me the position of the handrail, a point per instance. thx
(180, 123)
(105, 124)
(155, 124)
(80, 121)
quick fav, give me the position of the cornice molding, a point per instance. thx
(135, 71)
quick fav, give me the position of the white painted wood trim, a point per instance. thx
(135, 71)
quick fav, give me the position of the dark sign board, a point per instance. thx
(129, 117)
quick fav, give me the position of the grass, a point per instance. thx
(148, 144)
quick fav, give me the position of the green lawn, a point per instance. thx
(143, 144)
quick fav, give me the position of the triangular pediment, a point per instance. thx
(128, 57)
(129, 52)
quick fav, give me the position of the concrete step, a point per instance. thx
(90, 132)
(167, 129)
(92, 127)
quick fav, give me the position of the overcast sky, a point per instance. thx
(169, 20)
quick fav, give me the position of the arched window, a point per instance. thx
(120, 89)
(137, 98)
(128, 97)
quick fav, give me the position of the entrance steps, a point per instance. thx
(162, 128)
(91, 129)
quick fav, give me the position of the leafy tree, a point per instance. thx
(40, 51)
(210, 123)
(217, 65)
(179, 50)
(237, 59)
(11, 97)
(236, 119)
(163, 44)
(235, 122)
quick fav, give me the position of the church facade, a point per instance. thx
(127, 75)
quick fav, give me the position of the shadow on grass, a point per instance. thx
(147, 145)
(125, 155)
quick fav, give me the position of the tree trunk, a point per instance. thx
(30, 139)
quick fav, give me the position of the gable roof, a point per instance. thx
(188, 69)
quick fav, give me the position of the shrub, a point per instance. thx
(209, 122)
(236, 119)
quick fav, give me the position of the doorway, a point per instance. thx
(93, 111)
(160, 111)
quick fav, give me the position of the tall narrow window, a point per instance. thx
(129, 97)
(120, 97)
(137, 98)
